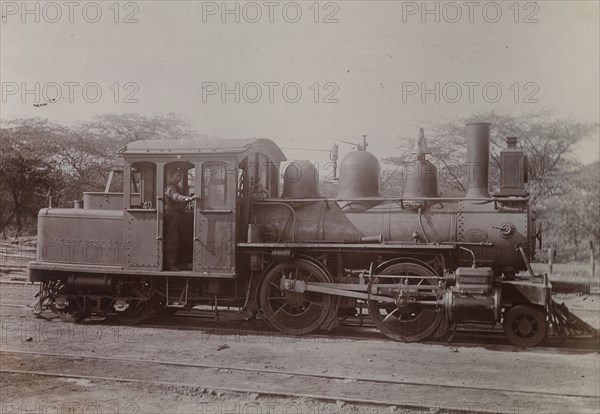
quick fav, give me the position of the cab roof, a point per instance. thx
(204, 146)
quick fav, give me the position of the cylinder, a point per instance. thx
(478, 153)
(473, 306)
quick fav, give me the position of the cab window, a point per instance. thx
(142, 189)
(114, 184)
(214, 186)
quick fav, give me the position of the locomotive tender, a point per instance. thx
(418, 261)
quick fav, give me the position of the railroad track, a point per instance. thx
(466, 336)
(236, 331)
(372, 391)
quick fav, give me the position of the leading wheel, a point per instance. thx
(295, 313)
(405, 322)
(525, 325)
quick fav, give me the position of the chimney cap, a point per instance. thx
(512, 142)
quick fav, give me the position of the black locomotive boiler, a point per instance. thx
(419, 262)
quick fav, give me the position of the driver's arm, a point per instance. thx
(171, 192)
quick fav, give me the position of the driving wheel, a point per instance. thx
(405, 321)
(295, 313)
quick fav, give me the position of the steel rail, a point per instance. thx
(207, 316)
(201, 316)
(354, 331)
(260, 392)
(300, 374)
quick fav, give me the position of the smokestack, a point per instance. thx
(478, 159)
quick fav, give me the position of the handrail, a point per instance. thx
(158, 209)
(194, 237)
(438, 199)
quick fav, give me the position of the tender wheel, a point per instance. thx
(138, 310)
(74, 312)
(409, 322)
(525, 325)
(293, 312)
(76, 317)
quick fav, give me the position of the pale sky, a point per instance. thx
(372, 57)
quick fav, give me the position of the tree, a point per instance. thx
(564, 194)
(569, 210)
(41, 159)
(546, 141)
(28, 169)
(121, 129)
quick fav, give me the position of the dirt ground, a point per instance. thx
(570, 379)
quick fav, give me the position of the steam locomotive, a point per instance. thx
(419, 262)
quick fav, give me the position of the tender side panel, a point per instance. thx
(77, 236)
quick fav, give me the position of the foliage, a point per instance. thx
(41, 160)
(568, 208)
(564, 193)
(28, 172)
(546, 141)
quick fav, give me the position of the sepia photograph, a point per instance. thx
(299, 207)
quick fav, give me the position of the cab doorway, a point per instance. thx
(178, 222)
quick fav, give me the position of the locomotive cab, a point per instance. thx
(197, 232)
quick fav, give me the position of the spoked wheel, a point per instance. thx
(295, 313)
(139, 308)
(405, 322)
(74, 312)
(76, 317)
(49, 292)
(525, 325)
